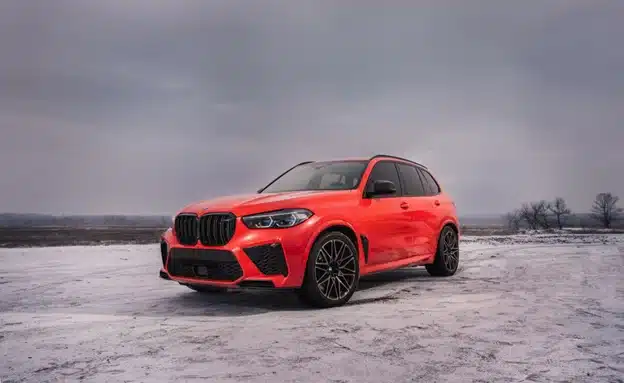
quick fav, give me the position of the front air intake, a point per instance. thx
(208, 264)
(269, 259)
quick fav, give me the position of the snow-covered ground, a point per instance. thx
(524, 308)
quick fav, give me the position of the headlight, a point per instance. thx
(280, 219)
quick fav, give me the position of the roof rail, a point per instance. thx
(397, 158)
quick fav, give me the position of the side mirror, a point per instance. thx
(382, 187)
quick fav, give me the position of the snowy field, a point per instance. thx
(532, 308)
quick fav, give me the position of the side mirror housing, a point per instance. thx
(382, 187)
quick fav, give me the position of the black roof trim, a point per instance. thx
(396, 158)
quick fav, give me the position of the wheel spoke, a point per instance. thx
(346, 257)
(455, 260)
(335, 288)
(325, 254)
(347, 270)
(333, 250)
(341, 283)
(335, 269)
(322, 267)
(450, 250)
(324, 273)
(341, 253)
(347, 262)
(324, 279)
(338, 288)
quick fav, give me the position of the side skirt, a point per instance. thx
(419, 260)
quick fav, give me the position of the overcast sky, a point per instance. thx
(143, 106)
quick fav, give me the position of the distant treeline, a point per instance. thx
(604, 213)
(83, 221)
(515, 220)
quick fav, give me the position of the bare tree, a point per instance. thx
(560, 210)
(526, 214)
(605, 210)
(535, 214)
(513, 219)
(539, 210)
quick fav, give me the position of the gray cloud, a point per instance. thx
(144, 106)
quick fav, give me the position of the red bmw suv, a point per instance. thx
(317, 229)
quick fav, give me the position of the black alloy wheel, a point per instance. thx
(332, 272)
(447, 255)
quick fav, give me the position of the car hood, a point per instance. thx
(255, 203)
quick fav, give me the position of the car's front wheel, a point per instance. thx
(332, 271)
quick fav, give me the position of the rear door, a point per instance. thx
(417, 211)
(382, 220)
(433, 206)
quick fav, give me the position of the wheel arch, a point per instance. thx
(434, 267)
(309, 291)
(346, 230)
(453, 225)
(446, 222)
(339, 226)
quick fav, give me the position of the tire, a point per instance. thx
(332, 272)
(447, 254)
(207, 289)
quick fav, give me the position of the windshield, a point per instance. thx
(339, 175)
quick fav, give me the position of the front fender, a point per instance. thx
(323, 226)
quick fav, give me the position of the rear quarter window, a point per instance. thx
(412, 184)
(430, 183)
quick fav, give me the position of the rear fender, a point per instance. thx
(452, 221)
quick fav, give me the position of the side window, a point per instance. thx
(385, 171)
(428, 180)
(412, 186)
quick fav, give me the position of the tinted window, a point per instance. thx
(385, 171)
(430, 182)
(338, 175)
(412, 186)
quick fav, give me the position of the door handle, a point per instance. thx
(436, 202)
(404, 205)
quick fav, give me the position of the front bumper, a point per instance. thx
(266, 258)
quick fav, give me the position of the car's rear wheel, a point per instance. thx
(447, 255)
(332, 271)
(207, 289)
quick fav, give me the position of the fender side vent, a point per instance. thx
(365, 247)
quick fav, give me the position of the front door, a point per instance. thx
(382, 219)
